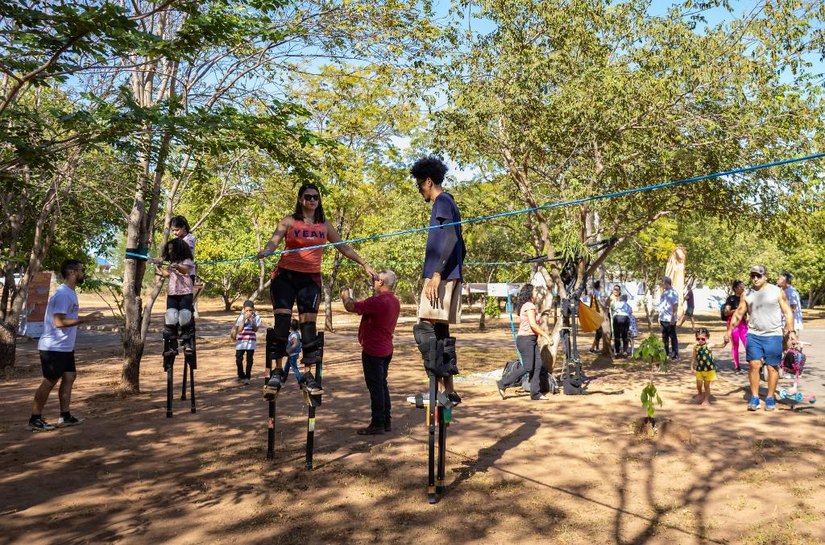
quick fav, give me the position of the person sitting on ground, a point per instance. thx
(703, 365)
(527, 345)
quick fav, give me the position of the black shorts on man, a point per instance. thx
(54, 364)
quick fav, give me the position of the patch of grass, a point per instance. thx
(776, 532)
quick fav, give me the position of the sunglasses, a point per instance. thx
(311, 197)
(701, 339)
(756, 275)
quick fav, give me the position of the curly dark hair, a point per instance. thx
(524, 295)
(736, 284)
(702, 331)
(180, 221)
(176, 250)
(429, 167)
(299, 211)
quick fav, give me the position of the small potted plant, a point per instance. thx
(652, 351)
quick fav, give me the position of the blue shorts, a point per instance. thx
(759, 347)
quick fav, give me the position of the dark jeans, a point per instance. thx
(528, 349)
(239, 363)
(669, 338)
(621, 330)
(375, 375)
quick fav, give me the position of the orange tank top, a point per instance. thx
(302, 235)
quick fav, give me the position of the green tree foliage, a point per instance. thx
(576, 99)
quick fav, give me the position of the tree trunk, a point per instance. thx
(328, 326)
(8, 346)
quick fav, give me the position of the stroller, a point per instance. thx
(793, 363)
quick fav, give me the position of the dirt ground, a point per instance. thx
(569, 471)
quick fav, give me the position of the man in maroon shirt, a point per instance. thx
(379, 314)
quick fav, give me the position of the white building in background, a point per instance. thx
(704, 299)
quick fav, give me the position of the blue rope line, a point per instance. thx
(549, 206)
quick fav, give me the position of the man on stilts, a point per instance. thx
(440, 305)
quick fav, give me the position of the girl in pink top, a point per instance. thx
(179, 304)
(528, 348)
(297, 279)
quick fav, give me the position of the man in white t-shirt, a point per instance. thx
(56, 347)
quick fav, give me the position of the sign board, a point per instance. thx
(36, 302)
(499, 289)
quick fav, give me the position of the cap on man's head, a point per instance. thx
(759, 269)
(249, 303)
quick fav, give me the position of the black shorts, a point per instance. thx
(180, 302)
(289, 287)
(54, 364)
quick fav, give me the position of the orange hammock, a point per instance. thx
(589, 319)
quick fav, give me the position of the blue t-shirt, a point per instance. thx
(796, 302)
(297, 350)
(669, 299)
(60, 339)
(445, 210)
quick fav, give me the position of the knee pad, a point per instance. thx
(424, 333)
(309, 334)
(281, 330)
(312, 344)
(277, 337)
(442, 330)
(171, 317)
(450, 362)
(185, 317)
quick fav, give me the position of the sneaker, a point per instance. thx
(188, 350)
(246, 381)
(674, 357)
(738, 370)
(371, 430)
(65, 422)
(753, 404)
(542, 397)
(312, 387)
(274, 382)
(454, 398)
(38, 424)
(500, 389)
(770, 404)
(172, 351)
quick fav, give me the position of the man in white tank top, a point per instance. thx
(765, 305)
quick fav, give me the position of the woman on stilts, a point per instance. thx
(297, 279)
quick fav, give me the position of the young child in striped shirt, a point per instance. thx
(244, 333)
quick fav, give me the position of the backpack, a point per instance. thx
(793, 361)
(510, 366)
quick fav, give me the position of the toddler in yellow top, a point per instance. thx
(704, 365)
